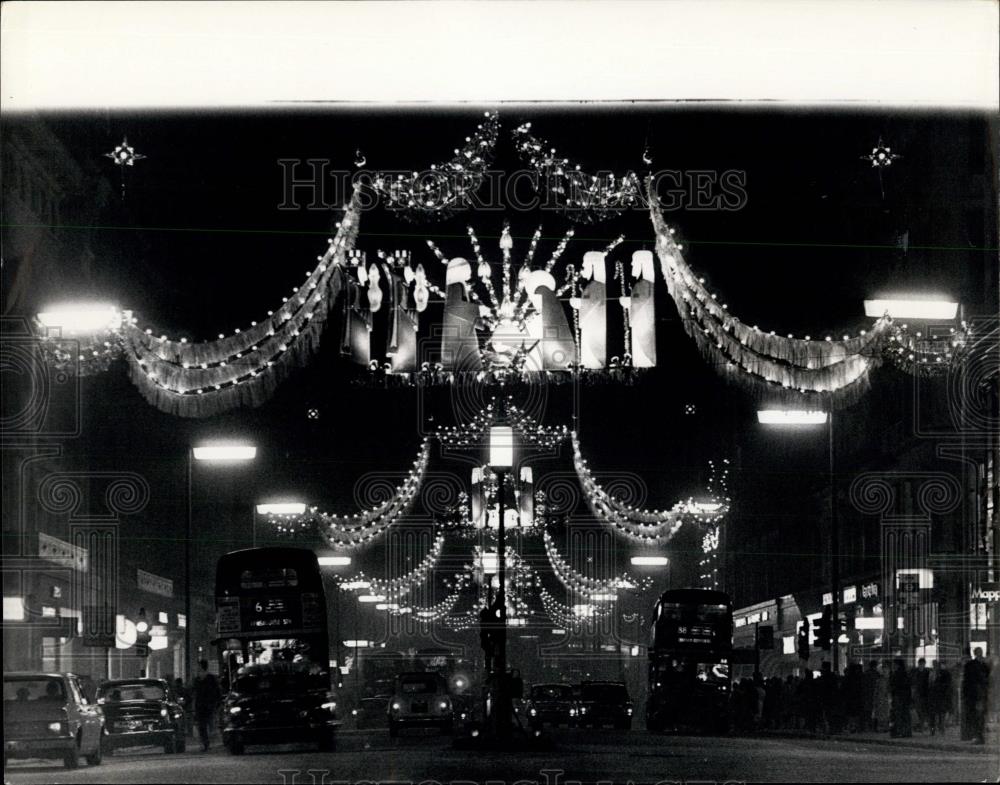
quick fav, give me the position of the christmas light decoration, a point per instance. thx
(441, 190)
(582, 196)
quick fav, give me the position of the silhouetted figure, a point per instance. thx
(921, 692)
(939, 697)
(900, 692)
(207, 696)
(975, 695)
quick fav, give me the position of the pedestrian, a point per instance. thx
(854, 696)
(975, 695)
(939, 697)
(807, 701)
(207, 696)
(900, 692)
(880, 709)
(869, 686)
(921, 692)
(827, 693)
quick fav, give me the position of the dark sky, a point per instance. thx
(198, 247)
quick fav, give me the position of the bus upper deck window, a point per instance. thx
(269, 577)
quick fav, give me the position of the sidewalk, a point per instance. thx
(949, 742)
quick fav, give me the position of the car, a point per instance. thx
(371, 712)
(420, 699)
(603, 703)
(140, 712)
(276, 703)
(46, 715)
(551, 704)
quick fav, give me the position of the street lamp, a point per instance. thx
(501, 458)
(649, 561)
(223, 453)
(281, 508)
(334, 561)
(787, 417)
(911, 307)
(81, 318)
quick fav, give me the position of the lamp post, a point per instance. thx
(501, 457)
(795, 418)
(219, 453)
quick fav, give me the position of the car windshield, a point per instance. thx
(40, 688)
(415, 684)
(120, 693)
(604, 693)
(551, 692)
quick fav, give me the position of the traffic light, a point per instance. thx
(824, 630)
(803, 642)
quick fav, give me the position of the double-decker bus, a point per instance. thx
(274, 650)
(690, 655)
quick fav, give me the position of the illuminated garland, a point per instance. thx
(578, 582)
(580, 195)
(244, 368)
(403, 584)
(476, 430)
(443, 189)
(351, 531)
(639, 524)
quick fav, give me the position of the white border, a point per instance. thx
(97, 55)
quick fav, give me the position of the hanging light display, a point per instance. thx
(582, 196)
(441, 190)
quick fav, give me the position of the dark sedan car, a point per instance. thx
(276, 703)
(551, 704)
(604, 703)
(141, 712)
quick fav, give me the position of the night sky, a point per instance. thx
(197, 247)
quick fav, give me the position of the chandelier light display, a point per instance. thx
(505, 319)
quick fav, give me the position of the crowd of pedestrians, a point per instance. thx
(881, 697)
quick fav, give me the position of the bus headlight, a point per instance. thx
(164, 712)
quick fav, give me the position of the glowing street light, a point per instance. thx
(790, 417)
(372, 598)
(911, 307)
(501, 446)
(225, 452)
(281, 508)
(649, 561)
(81, 318)
(334, 561)
(350, 585)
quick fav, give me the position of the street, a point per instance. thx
(577, 756)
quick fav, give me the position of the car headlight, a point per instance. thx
(395, 707)
(444, 704)
(572, 712)
(533, 712)
(56, 727)
(329, 705)
(235, 709)
(583, 710)
(164, 712)
(629, 711)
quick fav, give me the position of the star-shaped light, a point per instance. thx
(881, 155)
(124, 154)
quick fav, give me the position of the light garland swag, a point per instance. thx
(245, 368)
